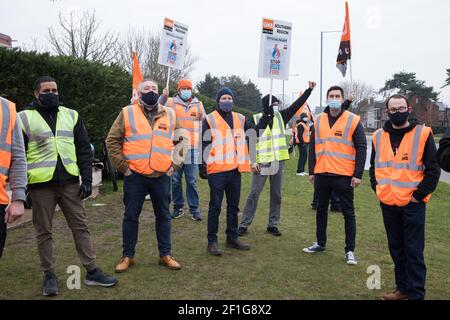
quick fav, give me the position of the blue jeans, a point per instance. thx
(190, 169)
(230, 184)
(135, 188)
(405, 229)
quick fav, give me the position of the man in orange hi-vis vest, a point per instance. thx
(141, 146)
(190, 113)
(337, 156)
(404, 172)
(13, 168)
(225, 157)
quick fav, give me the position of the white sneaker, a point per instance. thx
(148, 198)
(315, 247)
(350, 258)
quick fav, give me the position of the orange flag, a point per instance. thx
(345, 52)
(137, 78)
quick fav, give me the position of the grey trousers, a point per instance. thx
(258, 182)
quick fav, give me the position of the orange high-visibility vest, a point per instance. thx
(148, 149)
(189, 118)
(399, 176)
(335, 152)
(306, 133)
(7, 122)
(229, 149)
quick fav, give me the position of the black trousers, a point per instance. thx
(303, 155)
(229, 184)
(405, 230)
(341, 185)
(2, 229)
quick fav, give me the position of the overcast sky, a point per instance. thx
(387, 35)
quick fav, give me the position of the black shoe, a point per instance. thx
(274, 231)
(98, 278)
(242, 231)
(237, 244)
(335, 209)
(213, 249)
(177, 213)
(50, 285)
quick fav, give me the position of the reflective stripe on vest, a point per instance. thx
(271, 145)
(228, 148)
(44, 147)
(7, 122)
(335, 152)
(148, 149)
(399, 175)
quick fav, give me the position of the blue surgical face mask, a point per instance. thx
(185, 94)
(335, 104)
(226, 106)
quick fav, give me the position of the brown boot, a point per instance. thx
(213, 248)
(169, 262)
(124, 264)
(237, 244)
(396, 295)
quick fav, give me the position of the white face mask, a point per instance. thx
(276, 107)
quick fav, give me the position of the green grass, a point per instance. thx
(274, 268)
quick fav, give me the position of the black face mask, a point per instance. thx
(49, 100)
(399, 118)
(150, 98)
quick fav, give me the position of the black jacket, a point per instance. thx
(443, 154)
(432, 169)
(359, 141)
(82, 146)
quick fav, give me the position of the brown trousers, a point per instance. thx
(44, 201)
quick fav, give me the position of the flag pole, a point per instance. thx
(351, 75)
(271, 87)
(168, 78)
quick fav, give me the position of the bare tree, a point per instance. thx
(79, 36)
(146, 45)
(360, 92)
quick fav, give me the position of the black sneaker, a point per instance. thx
(177, 213)
(242, 231)
(50, 285)
(98, 278)
(274, 231)
(315, 247)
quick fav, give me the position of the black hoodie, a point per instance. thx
(82, 147)
(443, 153)
(432, 169)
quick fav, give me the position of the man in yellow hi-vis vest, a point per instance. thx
(271, 154)
(58, 151)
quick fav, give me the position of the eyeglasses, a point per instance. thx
(399, 109)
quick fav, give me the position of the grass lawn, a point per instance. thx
(274, 268)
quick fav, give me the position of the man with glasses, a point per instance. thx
(404, 172)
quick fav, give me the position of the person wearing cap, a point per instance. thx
(225, 157)
(301, 135)
(190, 114)
(271, 154)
